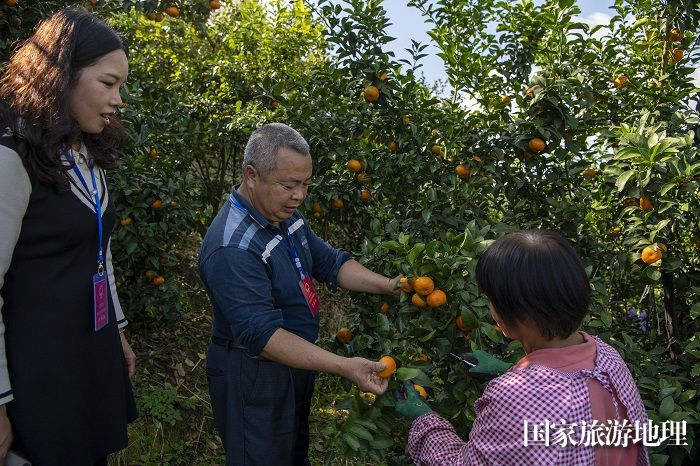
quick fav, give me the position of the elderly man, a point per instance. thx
(256, 263)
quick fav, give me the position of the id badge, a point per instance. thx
(99, 288)
(307, 288)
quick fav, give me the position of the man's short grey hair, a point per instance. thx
(266, 141)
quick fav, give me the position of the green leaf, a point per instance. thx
(667, 406)
(359, 431)
(408, 373)
(351, 441)
(623, 179)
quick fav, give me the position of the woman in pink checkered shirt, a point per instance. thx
(559, 403)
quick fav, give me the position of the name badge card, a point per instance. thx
(99, 288)
(307, 288)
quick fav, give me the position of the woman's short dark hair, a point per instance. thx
(535, 275)
(35, 90)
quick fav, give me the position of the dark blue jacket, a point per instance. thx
(251, 278)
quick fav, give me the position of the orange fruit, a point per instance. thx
(159, 280)
(383, 76)
(365, 195)
(406, 284)
(460, 324)
(11, 3)
(157, 204)
(418, 300)
(505, 99)
(172, 11)
(424, 286)
(275, 104)
(393, 146)
(159, 17)
(590, 173)
(344, 335)
(150, 275)
(371, 94)
(536, 145)
(364, 178)
(437, 298)
(676, 54)
(421, 391)
(675, 35)
(317, 208)
(621, 81)
(390, 364)
(645, 204)
(462, 171)
(153, 153)
(126, 221)
(630, 201)
(151, 15)
(215, 4)
(650, 255)
(354, 165)
(437, 150)
(384, 308)
(338, 203)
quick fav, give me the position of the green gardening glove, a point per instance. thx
(487, 367)
(409, 403)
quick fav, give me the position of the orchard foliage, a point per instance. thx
(549, 122)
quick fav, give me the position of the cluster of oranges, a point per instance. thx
(424, 292)
(154, 278)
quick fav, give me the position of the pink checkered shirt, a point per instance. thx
(535, 393)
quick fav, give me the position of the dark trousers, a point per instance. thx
(261, 408)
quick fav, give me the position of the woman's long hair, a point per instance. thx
(35, 89)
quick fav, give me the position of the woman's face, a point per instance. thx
(95, 97)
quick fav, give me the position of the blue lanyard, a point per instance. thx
(291, 250)
(98, 204)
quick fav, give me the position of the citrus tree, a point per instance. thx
(552, 123)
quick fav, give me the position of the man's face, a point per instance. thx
(279, 193)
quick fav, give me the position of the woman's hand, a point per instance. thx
(5, 433)
(129, 355)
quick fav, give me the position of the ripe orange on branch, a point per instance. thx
(338, 203)
(11, 3)
(621, 81)
(421, 391)
(676, 35)
(418, 301)
(676, 54)
(126, 221)
(172, 11)
(437, 298)
(215, 4)
(536, 145)
(390, 364)
(384, 308)
(462, 171)
(406, 284)
(354, 165)
(159, 280)
(424, 286)
(157, 204)
(436, 149)
(344, 335)
(371, 94)
(645, 204)
(364, 178)
(650, 255)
